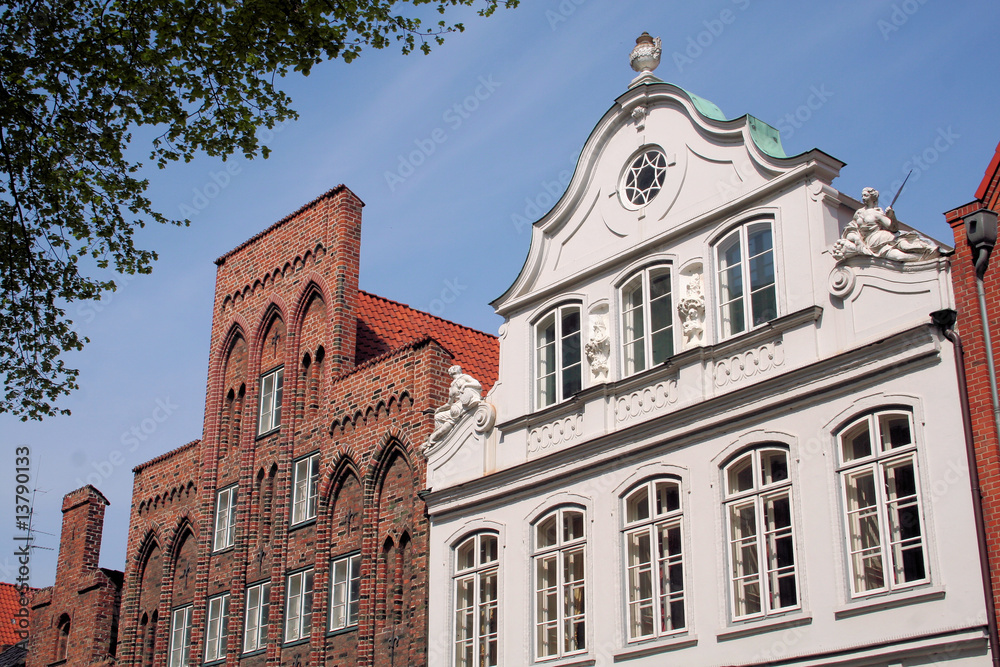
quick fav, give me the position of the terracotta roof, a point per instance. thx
(285, 219)
(9, 606)
(162, 457)
(385, 325)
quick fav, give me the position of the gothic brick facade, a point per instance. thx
(970, 326)
(360, 376)
(75, 621)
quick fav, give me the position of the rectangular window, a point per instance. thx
(271, 385)
(560, 584)
(882, 503)
(476, 601)
(745, 274)
(225, 519)
(305, 480)
(217, 632)
(345, 591)
(647, 320)
(180, 637)
(258, 617)
(298, 607)
(558, 361)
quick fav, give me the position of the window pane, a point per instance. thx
(856, 442)
(773, 467)
(633, 326)
(668, 497)
(546, 605)
(745, 559)
(278, 392)
(546, 531)
(465, 555)
(905, 533)
(663, 346)
(572, 526)
(764, 305)
(570, 351)
(671, 577)
(487, 549)
(865, 541)
(637, 505)
(780, 551)
(573, 600)
(740, 474)
(546, 360)
(640, 581)
(895, 430)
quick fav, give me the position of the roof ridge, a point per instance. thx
(385, 355)
(424, 312)
(329, 193)
(165, 455)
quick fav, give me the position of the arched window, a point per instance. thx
(745, 277)
(558, 362)
(476, 569)
(758, 504)
(885, 537)
(653, 539)
(62, 638)
(647, 319)
(560, 544)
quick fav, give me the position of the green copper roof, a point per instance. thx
(766, 137)
(706, 108)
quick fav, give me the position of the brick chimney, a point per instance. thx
(80, 542)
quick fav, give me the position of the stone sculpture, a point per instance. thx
(598, 348)
(875, 233)
(464, 396)
(691, 310)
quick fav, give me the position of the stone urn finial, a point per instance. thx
(646, 54)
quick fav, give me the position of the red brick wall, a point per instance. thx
(85, 595)
(288, 297)
(970, 328)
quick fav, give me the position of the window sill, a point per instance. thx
(265, 434)
(256, 651)
(217, 661)
(296, 642)
(763, 625)
(888, 600)
(302, 524)
(655, 646)
(572, 661)
(342, 631)
(223, 550)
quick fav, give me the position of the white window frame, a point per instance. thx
(880, 460)
(272, 386)
(658, 565)
(645, 308)
(561, 549)
(180, 637)
(481, 616)
(560, 390)
(298, 606)
(225, 519)
(258, 617)
(763, 545)
(305, 485)
(345, 591)
(741, 233)
(217, 628)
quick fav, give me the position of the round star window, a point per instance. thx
(644, 177)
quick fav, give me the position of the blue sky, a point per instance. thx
(883, 86)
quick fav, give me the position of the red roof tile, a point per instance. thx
(9, 606)
(385, 325)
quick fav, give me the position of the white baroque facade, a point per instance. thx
(713, 440)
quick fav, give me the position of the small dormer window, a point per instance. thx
(644, 177)
(557, 355)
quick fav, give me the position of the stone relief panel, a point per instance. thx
(758, 360)
(648, 399)
(598, 347)
(691, 308)
(549, 437)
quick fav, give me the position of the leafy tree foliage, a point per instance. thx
(77, 77)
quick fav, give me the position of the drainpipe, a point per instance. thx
(981, 234)
(945, 321)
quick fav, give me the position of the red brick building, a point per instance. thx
(292, 532)
(75, 621)
(969, 325)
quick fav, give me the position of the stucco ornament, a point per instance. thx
(875, 233)
(692, 313)
(646, 54)
(464, 396)
(598, 348)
